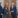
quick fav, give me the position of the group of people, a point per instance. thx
(4, 11)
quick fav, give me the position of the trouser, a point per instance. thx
(13, 15)
(5, 16)
(0, 16)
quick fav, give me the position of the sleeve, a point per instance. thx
(5, 12)
(14, 10)
(2, 11)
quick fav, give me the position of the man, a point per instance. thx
(1, 11)
(13, 10)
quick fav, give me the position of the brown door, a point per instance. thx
(9, 15)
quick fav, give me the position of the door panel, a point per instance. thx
(6, 2)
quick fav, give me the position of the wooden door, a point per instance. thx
(7, 5)
(9, 16)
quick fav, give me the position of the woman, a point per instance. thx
(5, 12)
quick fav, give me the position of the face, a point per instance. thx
(6, 4)
(12, 3)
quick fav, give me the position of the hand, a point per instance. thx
(1, 14)
(9, 12)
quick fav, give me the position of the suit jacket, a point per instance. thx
(14, 8)
(1, 10)
(5, 11)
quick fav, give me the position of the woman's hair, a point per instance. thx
(5, 6)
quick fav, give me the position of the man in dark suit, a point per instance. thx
(14, 11)
(1, 11)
